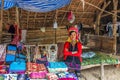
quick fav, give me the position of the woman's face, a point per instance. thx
(73, 36)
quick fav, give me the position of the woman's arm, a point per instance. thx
(66, 50)
(80, 51)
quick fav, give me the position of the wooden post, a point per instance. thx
(28, 19)
(115, 4)
(102, 71)
(1, 23)
(99, 17)
(17, 19)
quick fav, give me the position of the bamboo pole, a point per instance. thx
(99, 17)
(28, 19)
(115, 3)
(100, 9)
(1, 23)
(66, 13)
(17, 20)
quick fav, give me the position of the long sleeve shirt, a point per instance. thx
(68, 52)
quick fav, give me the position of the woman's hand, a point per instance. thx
(74, 52)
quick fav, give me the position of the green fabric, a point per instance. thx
(99, 58)
(1, 78)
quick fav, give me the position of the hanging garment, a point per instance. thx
(2, 52)
(52, 53)
(12, 31)
(71, 17)
(23, 35)
(17, 36)
(109, 29)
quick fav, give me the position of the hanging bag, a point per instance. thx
(52, 53)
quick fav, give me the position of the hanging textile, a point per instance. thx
(42, 5)
(23, 35)
(17, 36)
(36, 5)
(8, 4)
(2, 52)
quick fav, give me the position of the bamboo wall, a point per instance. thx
(102, 43)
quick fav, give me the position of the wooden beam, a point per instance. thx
(8, 12)
(107, 14)
(86, 7)
(35, 18)
(45, 20)
(1, 23)
(20, 16)
(66, 13)
(100, 9)
(28, 18)
(99, 17)
(115, 3)
(17, 19)
(104, 15)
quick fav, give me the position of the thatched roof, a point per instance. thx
(36, 20)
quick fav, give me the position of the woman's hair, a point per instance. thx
(71, 32)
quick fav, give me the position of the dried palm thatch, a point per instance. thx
(32, 21)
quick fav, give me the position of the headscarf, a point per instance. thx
(73, 28)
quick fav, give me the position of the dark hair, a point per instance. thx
(71, 32)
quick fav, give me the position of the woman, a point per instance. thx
(72, 51)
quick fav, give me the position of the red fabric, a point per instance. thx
(72, 28)
(18, 32)
(68, 53)
(70, 15)
(17, 36)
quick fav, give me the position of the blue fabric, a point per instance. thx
(36, 5)
(42, 5)
(57, 65)
(12, 47)
(88, 54)
(8, 4)
(10, 57)
(17, 66)
(20, 56)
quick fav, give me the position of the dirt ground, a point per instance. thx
(111, 73)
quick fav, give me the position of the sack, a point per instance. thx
(17, 67)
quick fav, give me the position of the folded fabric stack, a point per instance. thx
(67, 76)
(18, 67)
(52, 76)
(54, 67)
(3, 69)
(36, 70)
(34, 67)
